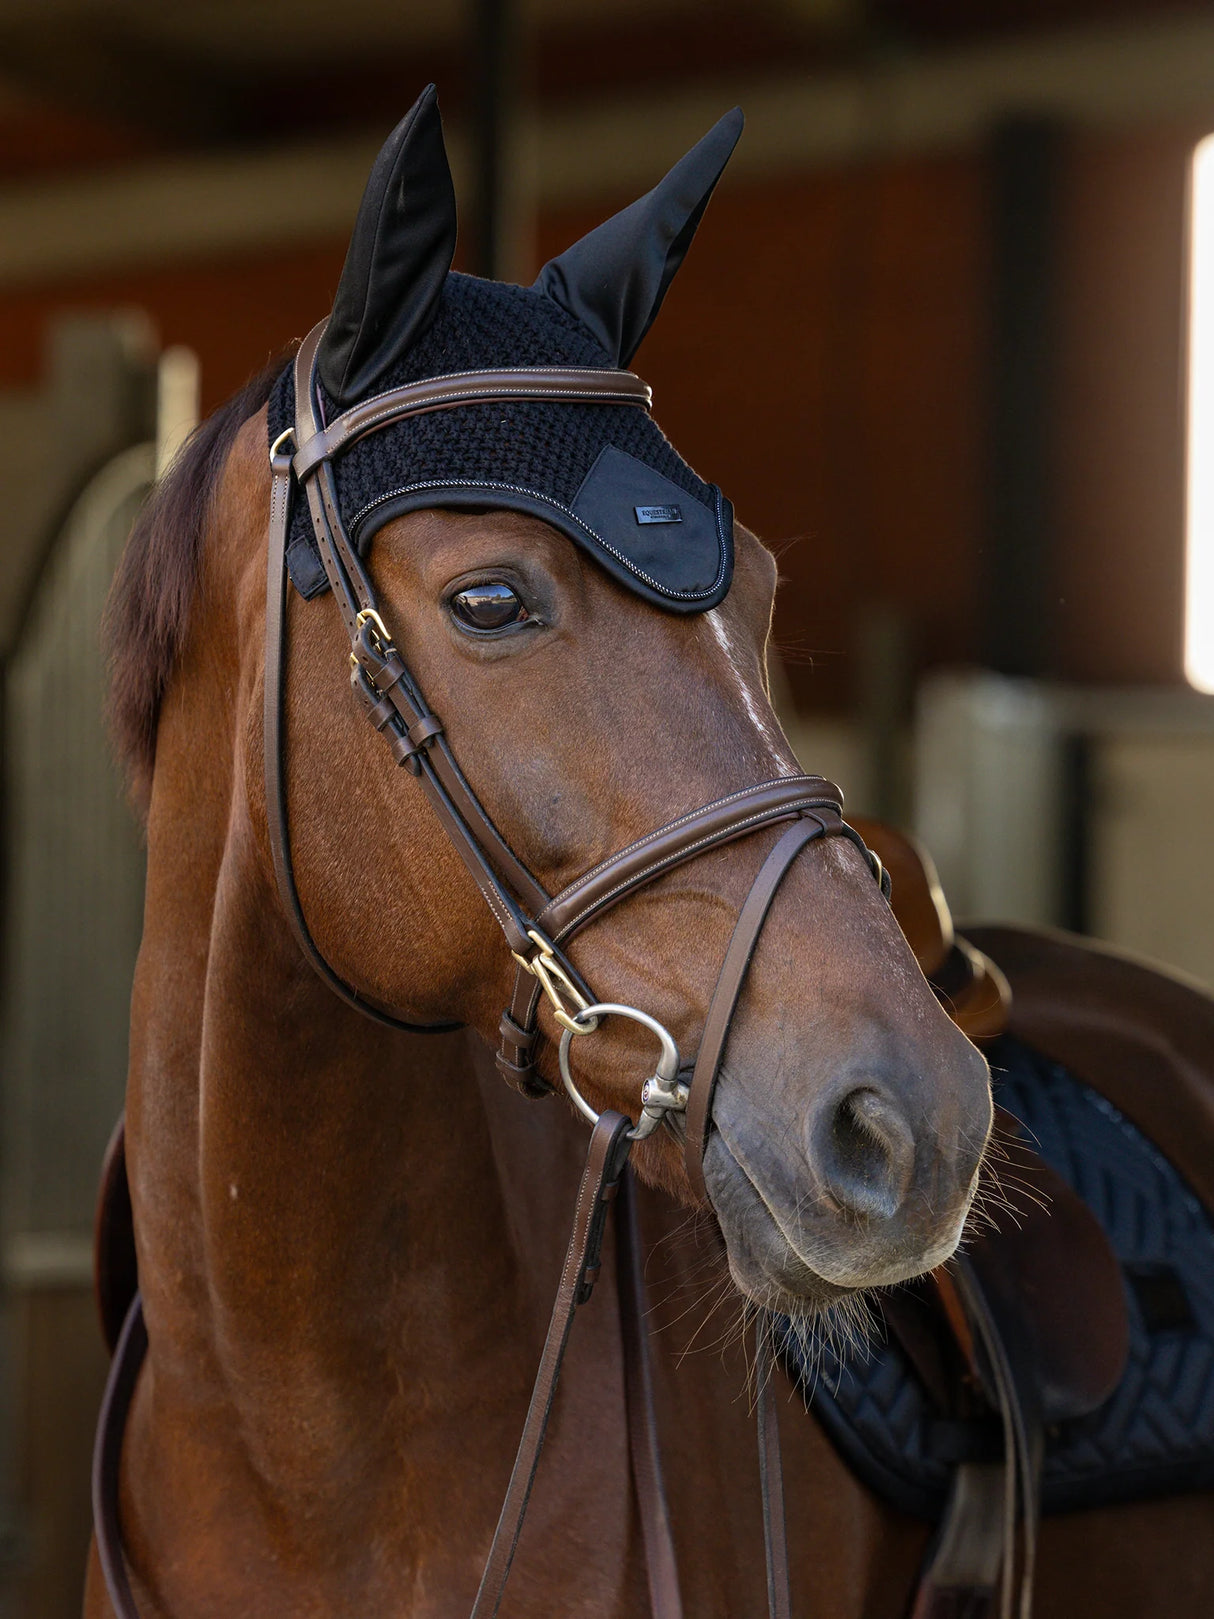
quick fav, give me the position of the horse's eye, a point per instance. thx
(490, 606)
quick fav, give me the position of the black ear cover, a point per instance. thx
(615, 278)
(398, 259)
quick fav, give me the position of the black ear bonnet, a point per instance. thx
(603, 474)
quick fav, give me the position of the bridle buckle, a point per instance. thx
(369, 615)
(555, 983)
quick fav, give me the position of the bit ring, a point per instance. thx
(660, 1094)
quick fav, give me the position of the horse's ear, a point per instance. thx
(399, 255)
(614, 280)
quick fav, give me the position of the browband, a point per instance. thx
(571, 385)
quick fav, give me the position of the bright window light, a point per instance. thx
(1199, 565)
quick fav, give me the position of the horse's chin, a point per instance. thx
(791, 1277)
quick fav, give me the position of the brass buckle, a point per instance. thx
(368, 615)
(555, 981)
(287, 433)
(386, 645)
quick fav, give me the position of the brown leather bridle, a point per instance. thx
(537, 928)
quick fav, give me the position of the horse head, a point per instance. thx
(587, 629)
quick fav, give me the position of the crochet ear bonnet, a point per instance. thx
(603, 474)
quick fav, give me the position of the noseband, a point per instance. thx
(538, 928)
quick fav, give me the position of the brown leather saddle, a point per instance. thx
(1028, 1327)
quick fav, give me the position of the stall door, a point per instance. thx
(73, 905)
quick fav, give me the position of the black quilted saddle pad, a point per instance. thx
(1155, 1434)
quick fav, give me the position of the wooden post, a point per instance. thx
(1018, 545)
(503, 156)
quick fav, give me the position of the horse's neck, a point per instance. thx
(349, 1235)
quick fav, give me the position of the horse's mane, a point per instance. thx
(148, 611)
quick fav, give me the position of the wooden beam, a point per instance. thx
(137, 83)
(188, 207)
(1016, 619)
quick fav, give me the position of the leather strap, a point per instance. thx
(343, 567)
(614, 879)
(273, 748)
(963, 1573)
(483, 849)
(771, 1477)
(353, 593)
(649, 857)
(972, 1570)
(605, 1162)
(1022, 1443)
(107, 1458)
(435, 764)
(572, 385)
(661, 1565)
(732, 976)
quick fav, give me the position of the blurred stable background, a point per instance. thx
(936, 339)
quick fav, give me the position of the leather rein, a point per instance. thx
(537, 928)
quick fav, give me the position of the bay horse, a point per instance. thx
(349, 1230)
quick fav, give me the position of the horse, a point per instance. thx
(348, 1229)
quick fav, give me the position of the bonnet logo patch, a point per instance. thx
(658, 514)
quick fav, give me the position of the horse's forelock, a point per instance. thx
(148, 611)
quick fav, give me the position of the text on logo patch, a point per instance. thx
(658, 514)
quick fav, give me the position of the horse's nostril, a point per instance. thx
(866, 1155)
